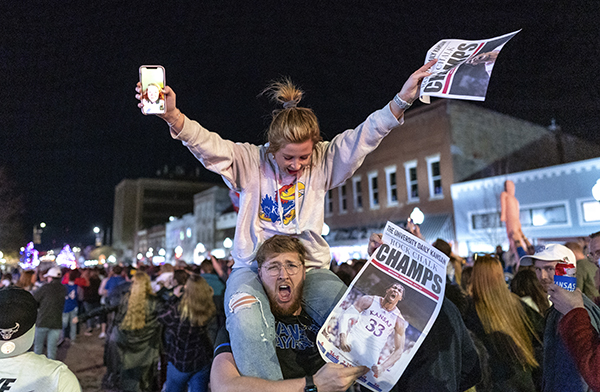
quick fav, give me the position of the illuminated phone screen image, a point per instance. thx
(153, 82)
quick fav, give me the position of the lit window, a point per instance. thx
(412, 185)
(544, 216)
(357, 192)
(373, 190)
(547, 215)
(591, 211)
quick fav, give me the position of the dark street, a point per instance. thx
(84, 358)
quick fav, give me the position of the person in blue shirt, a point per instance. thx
(71, 308)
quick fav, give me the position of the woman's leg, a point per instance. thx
(199, 381)
(65, 324)
(73, 326)
(176, 380)
(251, 325)
(322, 291)
(130, 379)
(91, 322)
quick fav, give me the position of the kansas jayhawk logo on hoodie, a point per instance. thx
(269, 205)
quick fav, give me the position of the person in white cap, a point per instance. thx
(544, 262)
(51, 300)
(577, 328)
(20, 369)
(560, 372)
(579, 333)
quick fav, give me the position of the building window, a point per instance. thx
(544, 216)
(435, 177)
(591, 211)
(391, 185)
(490, 220)
(357, 193)
(373, 190)
(343, 199)
(548, 215)
(412, 185)
(329, 202)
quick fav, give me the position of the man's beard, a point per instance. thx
(280, 311)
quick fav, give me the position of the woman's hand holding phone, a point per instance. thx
(161, 102)
(172, 115)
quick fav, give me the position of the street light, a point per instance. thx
(227, 244)
(98, 238)
(417, 216)
(199, 253)
(37, 233)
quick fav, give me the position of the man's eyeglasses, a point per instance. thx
(274, 269)
(594, 256)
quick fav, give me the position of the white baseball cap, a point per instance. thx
(53, 272)
(550, 252)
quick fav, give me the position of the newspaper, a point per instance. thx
(463, 69)
(387, 311)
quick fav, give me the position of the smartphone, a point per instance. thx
(152, 79)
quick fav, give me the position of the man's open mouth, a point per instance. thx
(285, 292)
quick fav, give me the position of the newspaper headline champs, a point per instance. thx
(410, 267)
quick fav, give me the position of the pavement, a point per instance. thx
(85, 358)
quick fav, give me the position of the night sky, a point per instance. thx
(72, 131)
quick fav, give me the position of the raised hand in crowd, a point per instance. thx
(374, 243)
(564, 300)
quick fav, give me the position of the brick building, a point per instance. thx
(440, 144)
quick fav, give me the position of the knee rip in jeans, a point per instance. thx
(241, 301)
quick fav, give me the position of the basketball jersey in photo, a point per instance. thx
(369, 335)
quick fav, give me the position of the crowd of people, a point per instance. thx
(161, 324)
(496, 330)
(153, 336)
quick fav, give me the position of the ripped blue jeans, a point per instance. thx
(251, 325)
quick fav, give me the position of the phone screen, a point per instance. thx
(152, 78)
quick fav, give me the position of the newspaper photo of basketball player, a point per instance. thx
(374, 326)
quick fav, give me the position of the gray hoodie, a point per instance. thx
(269, 205)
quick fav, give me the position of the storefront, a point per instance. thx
(556, 204)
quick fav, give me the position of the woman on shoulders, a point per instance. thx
(282, 186)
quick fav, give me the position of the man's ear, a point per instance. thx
(260, 274)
